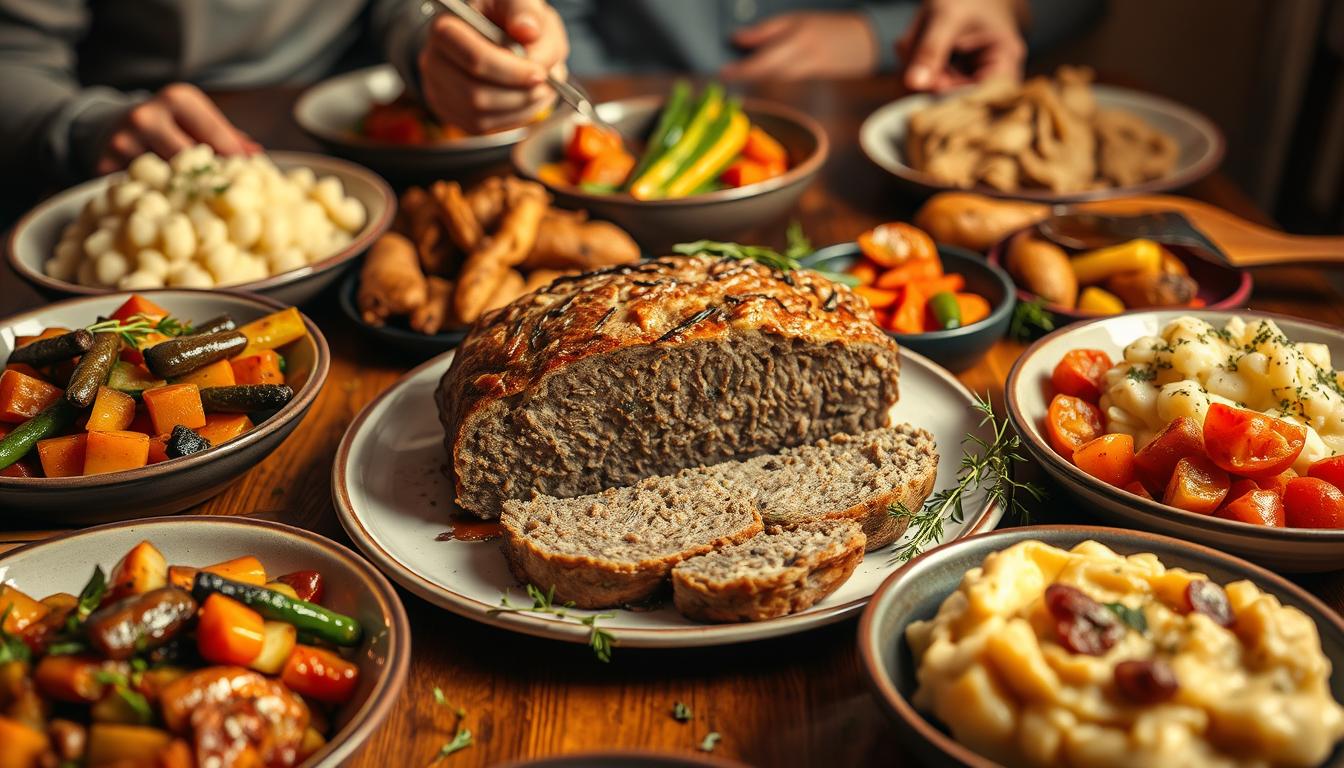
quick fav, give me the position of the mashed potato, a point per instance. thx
(1247, 364)
(1250, 688)
(200, 221)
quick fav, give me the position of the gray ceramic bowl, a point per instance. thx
(1200, 145)
(395, 334)
(353, 587)
(958, 348)
(1028, 394)
(916, 590)
(720, 215)
(35, 235)
(177, 484)
(331, 111)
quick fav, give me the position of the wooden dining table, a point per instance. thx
(794, 701)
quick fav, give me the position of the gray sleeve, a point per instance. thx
(48, 123)
(889, 21)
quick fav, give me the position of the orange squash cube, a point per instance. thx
(139, 305)
(22, 396)
(223, 427)
(274, 330)
(115, 451)
(62, 456)
(262, 367)
(112, 411)
(173, 405)
(216, 374)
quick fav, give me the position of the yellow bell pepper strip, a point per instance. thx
(650, 183)
(1135, 255)
(273, 331)
(1100, 302)
(717, 156)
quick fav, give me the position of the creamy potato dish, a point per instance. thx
(1244, 364)
(1047, 657)
(199, 221)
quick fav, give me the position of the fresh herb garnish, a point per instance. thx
(461, 740)
(710, 741)
(11, 647)
(1136, 373)
(137, 327)
(89, 599)
(1133, 617)
(121, 685)
(66, 648)
(599, 639)
(1030, 319)
(680, 712)
(792, 258)
(988, 468)
(442, 701)
(798, 243)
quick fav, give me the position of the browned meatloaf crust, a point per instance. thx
(604, 379)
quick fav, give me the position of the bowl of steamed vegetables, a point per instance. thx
(131, 405)
(702, 162)
(212, 641)
(941, 301)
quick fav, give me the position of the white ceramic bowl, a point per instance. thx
(35, 235)
(882, 137)
(331, 112)
(1028, 394)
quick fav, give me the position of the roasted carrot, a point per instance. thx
(765, 149)
(588, 141)
(112, 411)
(138, 305)
(908, 317)
(229, 632)
(62, 456)
(216, 374)
(319, 674)
(22, 396)
(974, 307)
(911, 271)
(115, 451)
(877, 298)
(610, 167)
(743, 172)
(223, 427)
(864, 271)
(173, 405)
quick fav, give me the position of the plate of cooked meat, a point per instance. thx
(691, 450)
(1052, 139)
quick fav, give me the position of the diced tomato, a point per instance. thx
(138, 305)
(1279, 482)
(395, 124)
(1251, 444)
(1071, 422)
(588, 141)
(1155, 462)
(136, 354)
(1331, 470)
(320, 674)
(1248, 504)
(308, 585)
(1311, 502)
(24, 467)
(1196, 485)
(1080, 372)
(1109, 458)
(22, 396)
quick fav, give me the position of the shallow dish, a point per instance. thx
(35, 235)
(392, 497)
(332, 110)
(395, 333)
(916, 590)
(1201, 144)
(958, 348)
(63, 564)
(1220, 287)
(1028, 394)
(720, 215)
(175, 485)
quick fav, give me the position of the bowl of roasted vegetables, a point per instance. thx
(131, 405)
(212, 641)
(943, 302)
(702, 162)
(1225, 428)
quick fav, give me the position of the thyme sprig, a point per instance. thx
(136, 327)
(600, 640)
(461, 736)
(986, 465)
(793, 257)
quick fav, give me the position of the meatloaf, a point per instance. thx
(606, 378)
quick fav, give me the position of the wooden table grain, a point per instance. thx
(799, 700)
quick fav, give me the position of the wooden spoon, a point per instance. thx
(1243, 243)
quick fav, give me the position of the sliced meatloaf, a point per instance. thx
(606, 378)
(781, 571)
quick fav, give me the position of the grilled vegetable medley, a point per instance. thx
(172, 666)
(137, 388)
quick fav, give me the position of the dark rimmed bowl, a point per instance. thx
(1220, 287)
(721, 215)
(353, 587)
(917, 590)
(958, 348)
(627, 758)
(396, 334)
(1028, 393)
(174, 485)
(35, 236)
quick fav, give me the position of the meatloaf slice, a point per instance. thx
(607, 378)
(782, 571)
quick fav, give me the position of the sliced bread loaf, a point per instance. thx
(782, 571)
(618, 546)
(857, 477)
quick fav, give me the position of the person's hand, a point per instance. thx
(984, 34)
(792, 46)
(478, 86)
(177, 117)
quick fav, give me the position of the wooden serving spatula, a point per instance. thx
(1239, 243)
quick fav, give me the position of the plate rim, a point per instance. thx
(1149, 509)
(560, 629)
(382, 700)
(1200, 168)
